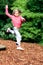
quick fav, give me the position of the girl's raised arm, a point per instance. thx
(6, 11)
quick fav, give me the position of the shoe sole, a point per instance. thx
(20, 49)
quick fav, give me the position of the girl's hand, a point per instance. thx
(23, 19)
(6, 6)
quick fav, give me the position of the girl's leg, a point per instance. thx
(18, 36)
(16, 32)
(11, 31)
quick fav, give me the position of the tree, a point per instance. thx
(3, 3)
(35, 5)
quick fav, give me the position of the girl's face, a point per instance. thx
(16, 13)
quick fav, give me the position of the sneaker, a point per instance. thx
(19, 48)
(8, 30)
(17, 44)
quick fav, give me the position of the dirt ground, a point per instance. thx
(32, 54)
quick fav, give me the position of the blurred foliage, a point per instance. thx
(3, 3)
(32, 29)
(35, 5)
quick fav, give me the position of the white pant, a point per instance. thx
(17, 34)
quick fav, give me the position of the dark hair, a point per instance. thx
(18, 11)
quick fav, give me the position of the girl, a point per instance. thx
(16, 21)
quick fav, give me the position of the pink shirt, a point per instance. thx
(16, 21)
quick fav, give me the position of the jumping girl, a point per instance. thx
(17, 21)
